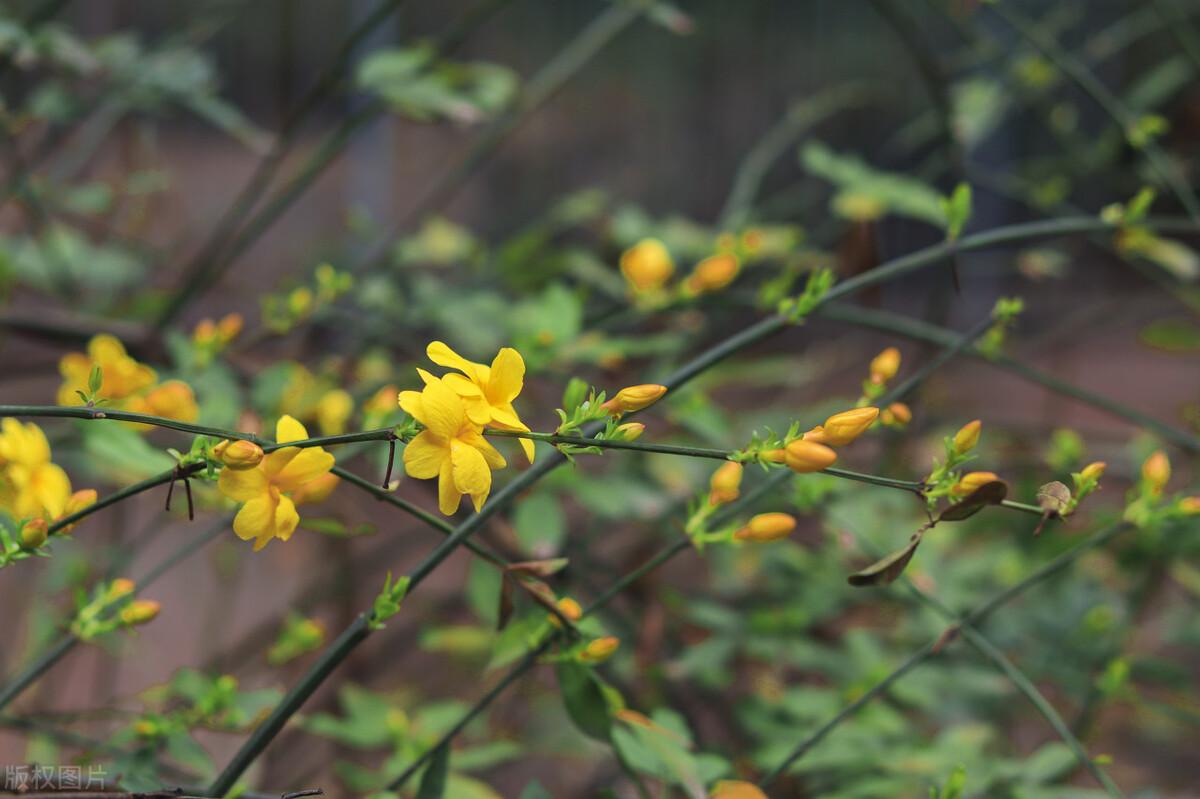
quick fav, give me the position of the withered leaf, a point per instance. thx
(505, 611)
(1053, 497)
(885, 570)
(537, 568)
(992, 493)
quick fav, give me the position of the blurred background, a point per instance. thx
(472, 172)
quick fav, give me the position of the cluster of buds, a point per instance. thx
(282, 312)
(947, 479)
(95, 617)
(882, 369)
(814, 450)
(209, 338)
(648, 268)
(1148, 504)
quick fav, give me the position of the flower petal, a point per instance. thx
(277, 461)
(410, 403)
(256, 520)
(443, 409)
(288, 429)
(442, 355)
(52, 488)
(527, 446)
(505, 416)
(286, 519)
(478, 410)
(310, 463)
(490, 454)
(471, 473)
(243, 486)
(462, 385)
(507, 376)
(448, 496)
(424, 455)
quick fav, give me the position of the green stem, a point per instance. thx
(973, 618)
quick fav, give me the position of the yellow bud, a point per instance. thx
(1093, 471)
(599, 650)
(726, 241)
(229, 327)
(315, 490)
(80, 500)
(634, 398)
(174, 400)
(1189, 505)
(752, 240)
(239, 454)
(767, 527)
(897, 414)
(774, 456)
(631, 431)
(808, 456)
(34, 533)
(1156, 471)
(971, 482)
(724, 483)
(570, 610)
(205, 333)
(736, 789)
(140, 611)
(885, 365)
(120, 587)
(842, 428)
(713, 273)
(967, 437)
(145, 728)
(647, 265)
(300, 301)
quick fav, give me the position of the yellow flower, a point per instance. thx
(972, 482)
(81, 499)
(174, 400)
(1189, 506)
(333, 411)
(808, 456)
(316, 490)
(1156, 471)
(967, 437)
(767, 527)
(487, 391)
(647, 265)
(382, 402)
(634, 398)
(736, 789)
(123, 376)
(451, 447)
(842, 428)
(30, 485)
(885, 365)
(724, 484)
(269, 510)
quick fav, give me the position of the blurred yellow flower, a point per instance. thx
(1156, 471)
(451, 447)
(30, 485)
(123, 376)
(269, 511)
(885, 365)
(647, 265)
(736, 789)
(487, 391)
(333, 411)
(713, 273)
(724, 484)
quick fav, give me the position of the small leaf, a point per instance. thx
(992, 493)
(885, 570)
(584, 700)
(433, 781)
(95, 379)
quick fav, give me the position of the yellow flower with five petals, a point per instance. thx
(451, 447)
(266, 490)
(30, 485)
(487, 391)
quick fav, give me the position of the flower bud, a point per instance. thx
(967, 437)
(569, 609)
(1156, 471)
(631, 431)
(315, 490)
(139, 611)
(1189, 505)
(122, 586)
(205, 333)
(34, 533)
(767, 527)
(885, 365)
(599, 650)
(713, 273)
(647, 265)
(80, 500)
(897, 414)
(173, 400)
(634, 398)
(736, 789)
(808, 456)
(971, 482)
(724, 484)
(1093, 471)
(239, 454)
(842, 428)
(229, 327)
(773, 455)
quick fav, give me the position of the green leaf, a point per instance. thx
(433, 781)
(584, 700)
(885, 570)
(1172, 335)
(540, 524)
(894, 193)
(957, 208)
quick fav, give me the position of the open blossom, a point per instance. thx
(647, 265)
(451, 447)
(126, 384)
(487, 391)
(30, 485)
(271, 488)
